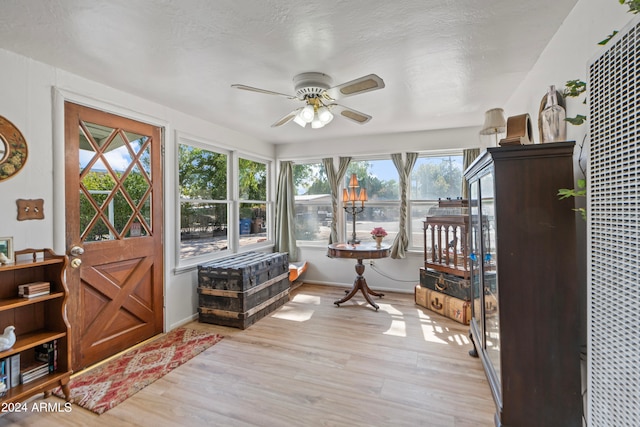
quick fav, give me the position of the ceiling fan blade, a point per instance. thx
(351, 114)
(355, 87)
(286, 119)
(268, 92)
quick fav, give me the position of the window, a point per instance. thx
(432, 178)
(252, 185)
(312, 203)
(380, 179)
(204, 200)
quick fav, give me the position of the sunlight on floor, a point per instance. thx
(398, 328)
(306, 299)
(293, 313)
(390, 309)
(438, 334)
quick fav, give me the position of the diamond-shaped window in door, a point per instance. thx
(115, 183)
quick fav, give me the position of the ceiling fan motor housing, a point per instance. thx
(311, 85)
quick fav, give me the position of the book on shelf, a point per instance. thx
(34, 289)
(36, 295)
(14, 370)
(4, 377)
(34, 371)
(48, 352)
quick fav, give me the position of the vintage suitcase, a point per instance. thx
(241, 289)
(446, 305)
(446, 283)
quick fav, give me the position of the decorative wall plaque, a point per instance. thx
(30, 209)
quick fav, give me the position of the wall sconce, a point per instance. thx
(352, 196)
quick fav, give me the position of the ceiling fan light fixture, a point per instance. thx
(324, 115)
(317, 123)
(299, 120)
(307, 113)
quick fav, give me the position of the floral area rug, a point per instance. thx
(110, 384)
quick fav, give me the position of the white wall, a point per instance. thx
(32, 94)
(566, 58)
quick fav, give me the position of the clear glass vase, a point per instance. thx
(552, 119)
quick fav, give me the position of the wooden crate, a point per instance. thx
(446, 305)
(239, 290)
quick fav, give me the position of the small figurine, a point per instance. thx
(8, 338)
(3, 258)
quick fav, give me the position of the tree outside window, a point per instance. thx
(204, 201)
(382, 209)
(432, 178)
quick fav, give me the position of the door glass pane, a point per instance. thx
(475, 256)
(145, 158)
(108, 164)
(136, 185)
(489, 263)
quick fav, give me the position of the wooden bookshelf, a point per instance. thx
(37, 320)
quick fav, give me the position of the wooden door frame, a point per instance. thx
(60, 96)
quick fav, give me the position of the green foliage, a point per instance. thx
(609, 37)
(435, 181)
(577, 120)
(580, 191)
(202, 173)
(634, 5)
(252, 177)
(98, 184)
(574, 88)
(377, 189)
(302, 173)
(303, 179)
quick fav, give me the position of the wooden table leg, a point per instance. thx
(360, 284)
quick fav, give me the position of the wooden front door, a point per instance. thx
(114, 220)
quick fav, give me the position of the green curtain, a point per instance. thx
(468, 156)
(285, 238)
(401, 242)
(334, 183)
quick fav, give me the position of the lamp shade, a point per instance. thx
(494, 122)
(353, 182)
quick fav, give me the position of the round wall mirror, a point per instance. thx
(3, 149)
(13, 149)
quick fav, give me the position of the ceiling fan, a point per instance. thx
(315, 90)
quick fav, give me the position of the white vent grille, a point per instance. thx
(613, 211)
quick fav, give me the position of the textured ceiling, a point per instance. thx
(444, 62)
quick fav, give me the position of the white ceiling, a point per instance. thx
(444, 62)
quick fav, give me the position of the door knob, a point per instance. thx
(76, 251)
(75, 263)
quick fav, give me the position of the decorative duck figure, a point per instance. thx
(8, 338)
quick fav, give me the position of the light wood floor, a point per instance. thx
(309, 364)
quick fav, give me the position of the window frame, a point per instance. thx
(411, 202)
(312, 243)
(232, 201)
(347, 226)
(269, 202)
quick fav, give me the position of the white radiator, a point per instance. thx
(613, 343)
